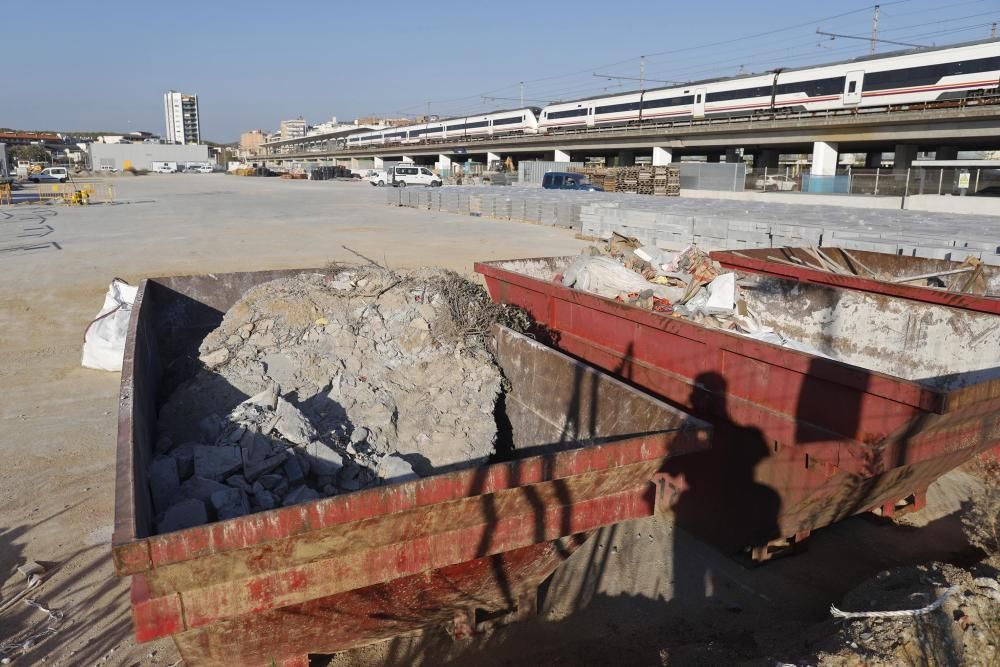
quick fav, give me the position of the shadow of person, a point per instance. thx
(721, 499)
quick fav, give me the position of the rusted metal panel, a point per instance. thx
(589, 447)
(357, 617)
(800, 441)
(893, 266)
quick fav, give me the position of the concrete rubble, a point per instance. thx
(328, 383)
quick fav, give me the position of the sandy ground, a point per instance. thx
(640, 593)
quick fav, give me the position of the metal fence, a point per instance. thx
(879, 182)
(716, 176)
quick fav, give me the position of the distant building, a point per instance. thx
(25, 138)
(106, 157)
(182, 119)
(329, 126)
(250, 143)
(293, 129)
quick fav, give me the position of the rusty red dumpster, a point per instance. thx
(982, 293)
(328, 575)
(801, 440)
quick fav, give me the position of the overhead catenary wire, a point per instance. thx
(576, 84)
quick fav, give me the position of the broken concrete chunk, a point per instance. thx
(293, 425)
(201, 489)
(239, 482)
(293, 471)
(217, 462)
(300, 494)
(323, 459)
(184, 455)
(256, 447)
(230, 503)
(350, 477)
(253, 470)
(269, 481)
(213, 359)
(30, 569)
(265, 499)
(393, 468)
(359, 435)
(210, 427)
(185, 514)
(164, 482)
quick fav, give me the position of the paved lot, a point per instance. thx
(58, 424)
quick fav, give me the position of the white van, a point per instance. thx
(411, 174)
(50, 175)
(164, 168)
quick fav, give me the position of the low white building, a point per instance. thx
(107, 157)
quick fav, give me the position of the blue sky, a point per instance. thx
(105, 65)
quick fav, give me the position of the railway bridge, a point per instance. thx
(944, 128)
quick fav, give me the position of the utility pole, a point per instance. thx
(522, 93)
(642, 72)
(993, 31)
(871, 50)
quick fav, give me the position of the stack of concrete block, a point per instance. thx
(674, 223)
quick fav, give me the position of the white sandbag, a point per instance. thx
(606, 277)
(722, 295)
(104, 340)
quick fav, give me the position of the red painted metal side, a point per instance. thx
(342, 621)
(800, 441)
(757, 261)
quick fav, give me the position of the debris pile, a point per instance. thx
(927, 614)
(324, 384)
(687, 284)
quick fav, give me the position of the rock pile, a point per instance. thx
(324, 384)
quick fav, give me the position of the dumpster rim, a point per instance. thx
(914, 393)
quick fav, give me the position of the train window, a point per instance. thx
(618, 108)
(569, 113)
(508, 121)
(668, 102)
(852, 87)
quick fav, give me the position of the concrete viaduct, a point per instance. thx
(944, 131)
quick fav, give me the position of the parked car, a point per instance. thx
(50, 175)
(200, 169)
(777, 182)
(568, 180)
(411, 174)
(164, 168)
(378, 177)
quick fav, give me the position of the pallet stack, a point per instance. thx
(661, 180)
(666, 181)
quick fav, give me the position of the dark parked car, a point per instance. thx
(568, 180)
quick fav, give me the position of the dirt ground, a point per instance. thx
(638, 593)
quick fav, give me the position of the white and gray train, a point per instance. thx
(894, 79)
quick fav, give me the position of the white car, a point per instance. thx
(50, 175)
(780, 183)
(200, 169)
(378, 178)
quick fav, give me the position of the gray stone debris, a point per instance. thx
(320, 385)
(217, 462)
(164, 482)
(185, 514)
(230, 503)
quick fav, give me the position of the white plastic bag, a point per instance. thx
(606, 277)
(104, 340)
